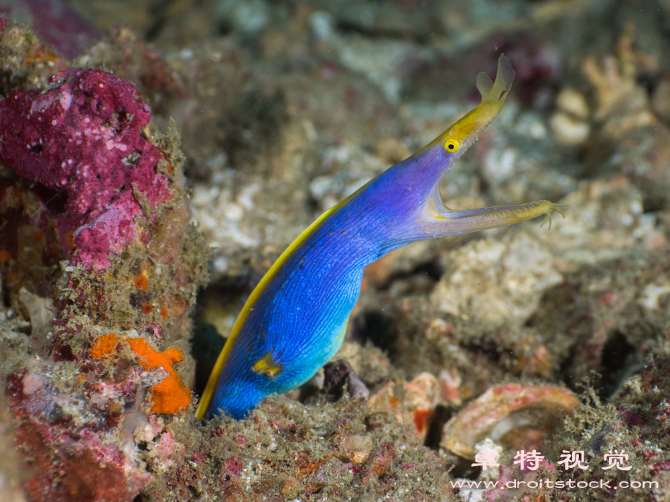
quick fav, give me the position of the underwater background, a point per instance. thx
(157, 156)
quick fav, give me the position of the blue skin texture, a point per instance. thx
(295, 320)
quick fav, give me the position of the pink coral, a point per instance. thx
(83, 137)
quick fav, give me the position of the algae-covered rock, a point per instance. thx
(496, 281)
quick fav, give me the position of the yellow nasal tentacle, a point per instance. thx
(495, 92)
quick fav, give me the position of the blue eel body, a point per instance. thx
(296, 318)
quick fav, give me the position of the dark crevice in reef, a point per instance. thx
(441, 416)
(205, 348)
(617, 355)
(430, 269)
(565, 371)
(374, 326)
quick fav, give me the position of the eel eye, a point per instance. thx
(452, 146)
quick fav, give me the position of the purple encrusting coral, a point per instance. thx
(83, 136)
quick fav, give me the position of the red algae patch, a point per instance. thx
(170, 395)
(88, 479)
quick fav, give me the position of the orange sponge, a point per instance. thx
(170, 395)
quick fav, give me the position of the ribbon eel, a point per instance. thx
(295, 319)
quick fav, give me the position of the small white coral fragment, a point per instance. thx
(570, 122)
